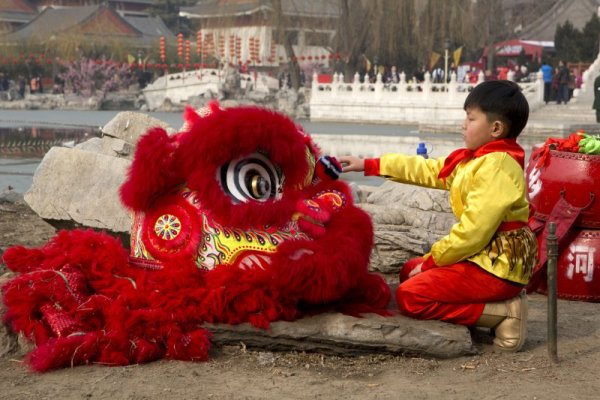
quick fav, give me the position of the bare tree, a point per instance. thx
(285, 38)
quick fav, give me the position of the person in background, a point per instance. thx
(596, 104)
(547, 77)
(562, 94)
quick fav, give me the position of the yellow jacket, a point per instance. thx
(484, 192)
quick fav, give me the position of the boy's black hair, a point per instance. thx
(503, 100)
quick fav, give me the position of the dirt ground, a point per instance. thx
(237, 372)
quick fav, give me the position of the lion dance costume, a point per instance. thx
(235, 219)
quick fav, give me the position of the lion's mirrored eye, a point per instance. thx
(251, 178)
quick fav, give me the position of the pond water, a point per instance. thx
(22, 149)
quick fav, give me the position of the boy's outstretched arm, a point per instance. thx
(352, 164)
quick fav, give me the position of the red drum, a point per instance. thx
(578, 269)
(574, 176)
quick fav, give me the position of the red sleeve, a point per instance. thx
(372, 167)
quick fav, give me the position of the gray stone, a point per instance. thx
(407, 220)
(129, 126)
(410, 195)
(108, 146)
(80, 187)
(342, 334)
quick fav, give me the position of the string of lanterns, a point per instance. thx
(205, 49)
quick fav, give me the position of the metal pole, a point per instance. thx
(445, 65)
(552, 245)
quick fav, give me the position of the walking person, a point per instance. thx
(562, 95)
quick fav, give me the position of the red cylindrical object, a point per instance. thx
(574, 176)
(578, 269)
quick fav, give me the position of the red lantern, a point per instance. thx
(187, 51)
(180, 44)
(198, 42)
(162, 48)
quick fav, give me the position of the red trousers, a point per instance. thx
(454, 293)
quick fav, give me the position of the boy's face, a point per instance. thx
(478, 130)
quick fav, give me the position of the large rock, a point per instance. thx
(74, 187)
(407, 220)
(343, 334)
(129, 126)
(80, 186)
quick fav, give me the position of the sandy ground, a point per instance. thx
(236, 372)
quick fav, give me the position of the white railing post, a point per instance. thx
(452, 85)
(378, 84)
(539, 83)
(480, 77)
(356, 84)
(315, 84)
(427, 86)
(334, 84)
(402, 82)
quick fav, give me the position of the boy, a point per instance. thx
(475, 274)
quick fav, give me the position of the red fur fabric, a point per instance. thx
(81, 300)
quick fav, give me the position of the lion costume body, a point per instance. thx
(235, 219)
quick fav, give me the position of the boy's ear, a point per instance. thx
(498, 129)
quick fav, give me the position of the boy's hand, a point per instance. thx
(352, 164)
(417, 270)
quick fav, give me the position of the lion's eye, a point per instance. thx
(251, 178)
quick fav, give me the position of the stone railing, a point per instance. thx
(402, 102)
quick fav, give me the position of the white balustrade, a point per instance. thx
(402, 102)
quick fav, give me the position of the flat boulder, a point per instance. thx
(341, 334)
(74, 187)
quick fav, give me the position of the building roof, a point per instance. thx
(152, 27)
(228, 8)
(16, 11)
(98, 20)
(513, 48)
(578, 12)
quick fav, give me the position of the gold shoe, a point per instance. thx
(509, 320)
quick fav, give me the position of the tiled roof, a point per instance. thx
(151, 27)
(304, 8)
(16, 11)
(17, 6)
(52, 21)
(144, 30)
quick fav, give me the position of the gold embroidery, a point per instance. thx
(519, 247)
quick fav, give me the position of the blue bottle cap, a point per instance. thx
(421, 149)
